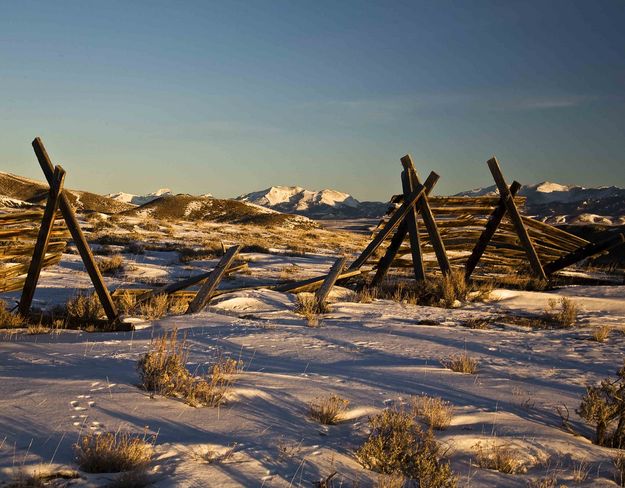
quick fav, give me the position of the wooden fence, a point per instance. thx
(18, 236)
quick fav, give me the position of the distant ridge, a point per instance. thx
(18, 191)
(189, 207)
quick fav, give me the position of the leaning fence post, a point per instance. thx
(428, 218)
(43, 239)
(397, 217)
(322, 293)
(77, 235)
(517, 221)
(210, 285)
(489, 231)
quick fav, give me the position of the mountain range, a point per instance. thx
(568, 204)
(550, 202)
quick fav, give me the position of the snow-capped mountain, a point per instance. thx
(568, 204)
(323, 204)
(139, 199)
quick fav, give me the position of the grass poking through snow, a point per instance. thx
(328, 410)
(113, 452)
(461, 363)
(163, 370)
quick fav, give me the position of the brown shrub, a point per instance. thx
(9, 320)
(398, 446)
(436, 412)
(111, 265)
(83, 310)
(562, 313)
(461, 363)
(500, 458)
(603, 407)
(328, 410)
(113, 452)
(163, 370)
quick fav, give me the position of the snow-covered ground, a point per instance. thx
(53, 388)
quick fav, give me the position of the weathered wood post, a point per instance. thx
(517, 221)
(43, 239)
(397, 217)
(77, 235)
(489, 231)
(321, 295)
(210, 285)
(428, 218)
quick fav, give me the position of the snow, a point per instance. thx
(139, 199)
(53, 388)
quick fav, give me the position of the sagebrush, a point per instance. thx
(163, 370)
(113, 452)
(397, 445)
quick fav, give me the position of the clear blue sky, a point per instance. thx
(229, 97)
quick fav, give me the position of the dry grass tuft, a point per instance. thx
(163, 370)
(500, 458)
(601, 333)
(461, 363)
(112, 265)
(155, 307)
(549, 481)
(328, 410)
(436, 412)
(367, 295)
(113, 452)
(125, 302)
(397, 445)
(450, 290)
(562, 313)
(83, 310)
(9, 320)
(310, 308)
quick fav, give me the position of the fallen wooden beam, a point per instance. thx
(77, 235)
(210, 285)
(186, 283)
(43, 239)
(310, 284)
(583, 253)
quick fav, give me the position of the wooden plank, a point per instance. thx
(517, 221)
(79, 238)
(43, 240)
(428, 218)
(488, 233)
(210, 285)
(322, 293)
(583, 253)
(394, 221)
